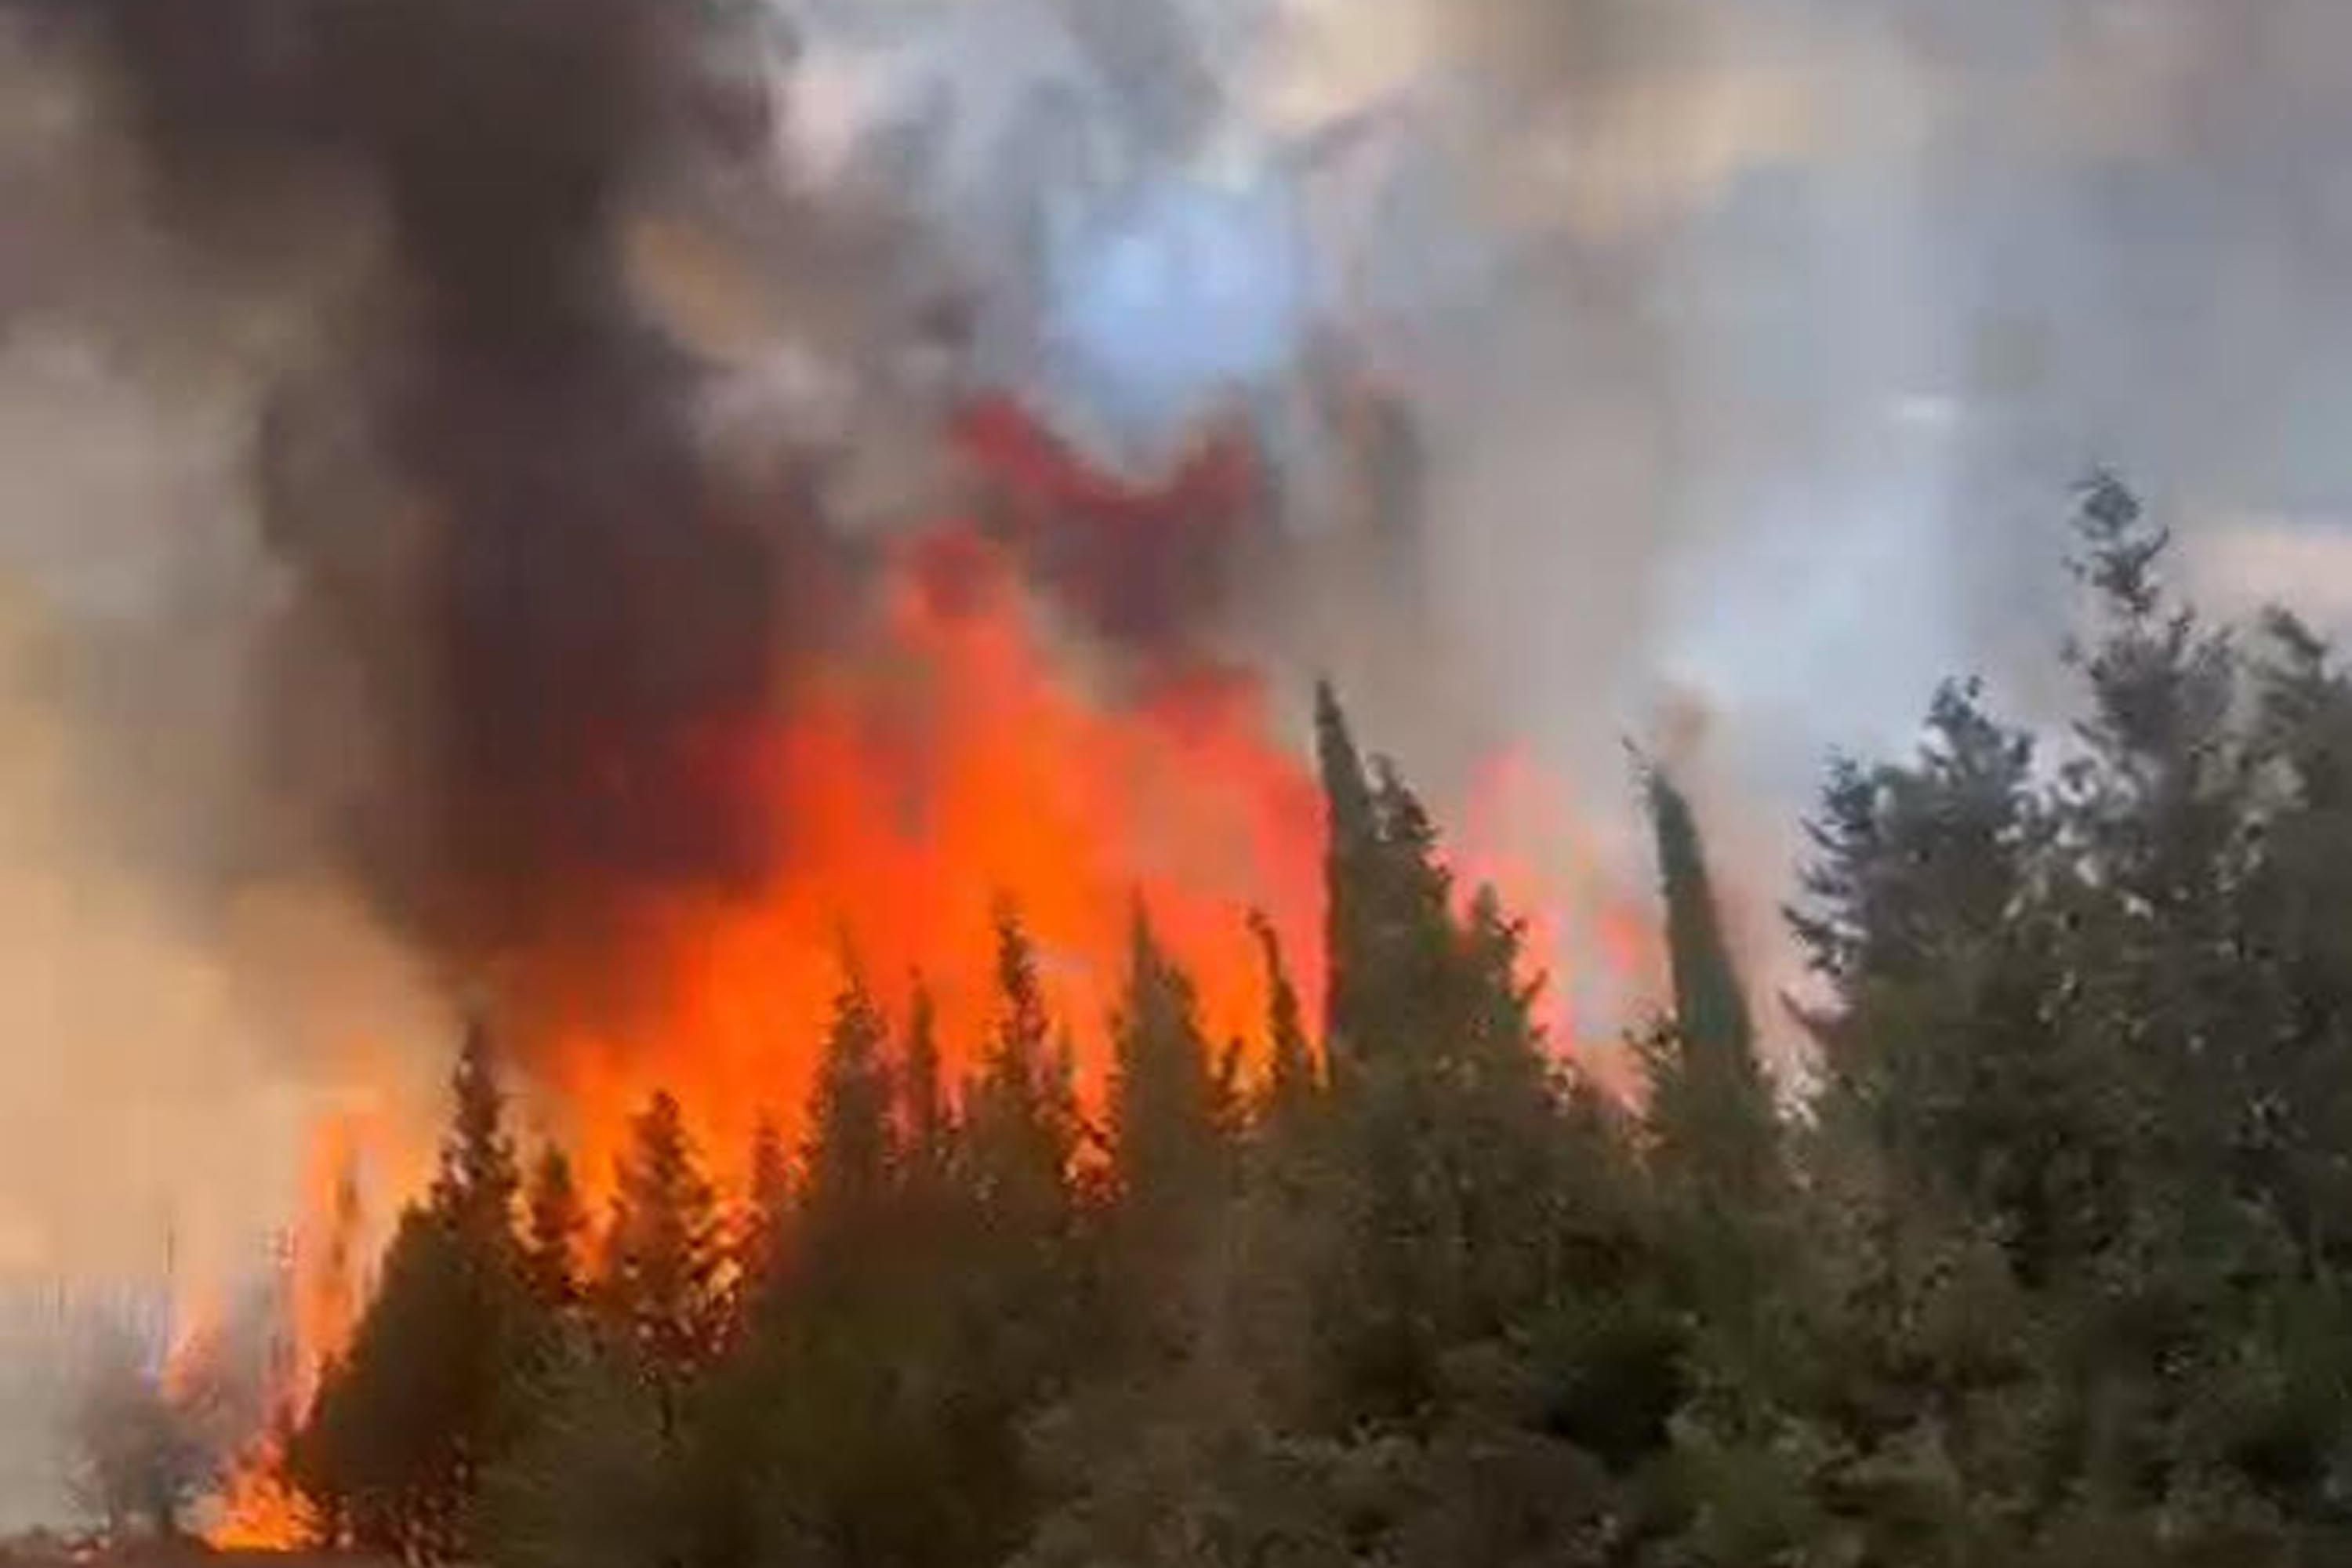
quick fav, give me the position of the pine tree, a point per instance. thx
(1164, 1096)
(377, 1454)
(478, 1179)
(2171, 810)
(1229, 1105)
(852, 1159)
(770, 1186)
(1944, 912)
(405, 1427)
(1016, 1208)
(1024, 1116)
(767, 1214)
(1058, 1102)
(923, 1091)
(1023, 1028)
(662, 1282)
(2298, 904)
(557, 1229)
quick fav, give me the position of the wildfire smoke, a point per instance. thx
(637, 745)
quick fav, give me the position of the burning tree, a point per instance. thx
(664, 1288)
(392, 1452)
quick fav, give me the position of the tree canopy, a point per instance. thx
(2040, 1261)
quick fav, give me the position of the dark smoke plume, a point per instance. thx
(486, 483)
(555, 606)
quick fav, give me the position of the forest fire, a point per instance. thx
(916, 790)
(660, 748)
(259, 1510)
(323, 1284)
(961, 756)
(661, 911)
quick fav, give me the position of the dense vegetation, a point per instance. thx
(2046, 1265)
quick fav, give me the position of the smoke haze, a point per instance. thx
(422, 424)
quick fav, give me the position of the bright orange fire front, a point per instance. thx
(912, 791)
(954, 759)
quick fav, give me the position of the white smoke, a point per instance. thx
(1755, 344)
(1758, 344)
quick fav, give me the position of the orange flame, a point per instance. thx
(913, 793)
(956, 760)
(1519, 837)
(258, 1509)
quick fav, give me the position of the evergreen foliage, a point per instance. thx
(431, 1395)
(2046, 1266)
(663, 1285)
(555, 1232)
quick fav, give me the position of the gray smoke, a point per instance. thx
(423, 423)
(483, 477)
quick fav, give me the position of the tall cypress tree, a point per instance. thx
(1710, 1105)
(1350, 865)
(1391, 938)
(1291, 1084)
(1709, 1005)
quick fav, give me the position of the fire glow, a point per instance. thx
(922, 791)
(323, 1287)
(961, 757)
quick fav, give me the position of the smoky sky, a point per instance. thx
(481, 473)
(536, 612)
(428, 425)
(1752, 348)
